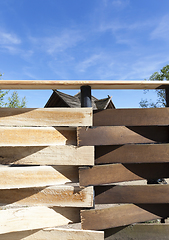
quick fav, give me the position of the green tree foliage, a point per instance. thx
(13, 101)
(163, 75)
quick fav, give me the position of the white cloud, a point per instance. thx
(116, 25)
(116, 3)
(91, 61)
(162, 29)
(120, 3)
(59, 42)
(9, 42)
(9, 39)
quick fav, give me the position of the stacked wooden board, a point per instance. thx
(130, 144)
(40, 157)
(39, 183)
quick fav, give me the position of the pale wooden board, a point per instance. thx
(47, 155)
(37, 136)
(71, 84)
(63, 196)
(131, 117)
(20, 219)
(155, 193)
(38, 176)
(132, 153)
(119, 135)
(114, 173)
(149, 231)
(122, 215)
(54, 234)
(46, 117)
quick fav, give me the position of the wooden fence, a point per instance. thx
(52, 159)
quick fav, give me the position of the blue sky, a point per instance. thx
(83, 40)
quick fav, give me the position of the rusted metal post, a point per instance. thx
(86, 96)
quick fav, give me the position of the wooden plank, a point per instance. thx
(122, 215)
(46, 117)
(132, 194)
(20, 219)
(113, 135)
(36, 136)
(53, 234)
(153, 231)
(47, 155)
(131, 117)
(71, 84)
(132, 153)
(38, 176)
(113, 173)
(63, 195)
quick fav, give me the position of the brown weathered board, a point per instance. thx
(47, 155)
(131, 117)
(122, 215)
(37, 136)
(20, 219)
(112, 173)
(132, 153)
(38, 176)
(54, 234)
(132, 194)
(115, 135)
(153, 231)
(46, 117)
(71, 84)
(63, 195)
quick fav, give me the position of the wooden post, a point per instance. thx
(86, 96)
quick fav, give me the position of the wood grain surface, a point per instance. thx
(122, 215)
(37, 136)
(46, 117)
(53, 234)
(131, 117)
(115, 135)
(47, 155)
(71, 84)
(36, 176)
(149, 231)
(63, 196)
(155, 193)
(113, 173)
(132, 153)
(21, 219)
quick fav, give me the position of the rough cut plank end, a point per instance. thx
(63, 196)
(36, 176)
(46, 117)
(47, 155)
(149, 231)
(53, 234)
(23, 219)
(122, 215)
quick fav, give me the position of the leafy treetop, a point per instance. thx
(163, 75)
